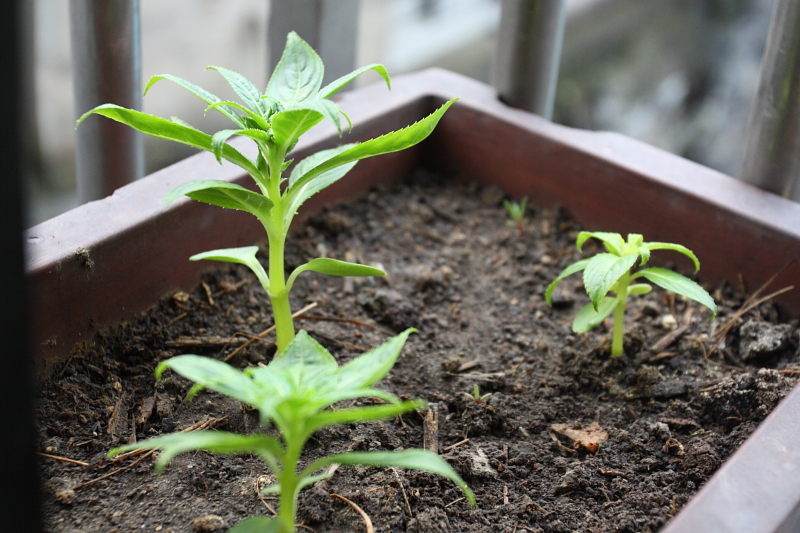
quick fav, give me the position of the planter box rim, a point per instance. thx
(75, 261)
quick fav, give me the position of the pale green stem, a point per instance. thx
(278, 291)
(289, 480)
(619, 316)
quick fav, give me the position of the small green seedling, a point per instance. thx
(516, 210)
(295, 392)
(612, 272)
(294, 101)
(476, 395)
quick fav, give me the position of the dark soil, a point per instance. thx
(473, 286)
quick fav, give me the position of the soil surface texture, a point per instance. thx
(568, 440)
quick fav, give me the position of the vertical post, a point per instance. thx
(20, 505)
(772, 150)
(525, 72)
(329, 26)
(106, 68)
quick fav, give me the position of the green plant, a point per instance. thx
(612, 272)
(476, 395)
(516, 210)
(294, 392)
(294, 101)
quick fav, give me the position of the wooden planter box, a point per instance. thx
(110, 259)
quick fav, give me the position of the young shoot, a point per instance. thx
(516, 210)
(294, 101)
(476, 395)
(294, 393)
(612, 272)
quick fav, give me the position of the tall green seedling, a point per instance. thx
(294, 101)
(613, 272)
(294, 393)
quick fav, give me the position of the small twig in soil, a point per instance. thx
(207, 289)
(344, 320)
(403, 491)
(661, 356)
(64, 459)
(267, 331)
(359, 510)
(343, 344)
(203, 424)
(723, 331)
(430, 434)
(179, 317)
(203, 342)
(749, 304)
(456, 445)
(612, 472)
(454, 502)
(505, 494)
(468, 366)
(114, 472)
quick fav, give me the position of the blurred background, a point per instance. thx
(677, 74)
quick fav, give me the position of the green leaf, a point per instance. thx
(672, 281)
(169, 130)
(223, 194)
(303, 361)
(215, 375)
(334, 86)
(312, 187)
(572, 269)
(219, 138)
(201, 93)
(326, 108)
(410, 459)
(298, 74)
(391, 142)
(354, 415)
(333, 267)
(371, 367)
(252, 120)
(221, 442)
(248, 92)
(639, 288)
(302, 168)
(257, 524)
(603, 271)
(288, 126)
(675, 247)
(612, 241)
(244, 256)
(587, 318)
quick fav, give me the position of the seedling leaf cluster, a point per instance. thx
(295, 393)
(612, 272)
(294, 101)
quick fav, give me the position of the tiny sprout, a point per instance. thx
(516, 210)
(476, 395)
(612, 272)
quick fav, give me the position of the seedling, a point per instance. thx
(476, 395)
(294, 101)
(612, 272)
(294, 392)
(516, 210)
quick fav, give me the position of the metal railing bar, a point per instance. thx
(772, 149)
(329, 26)
(106, 52)
(525, 72)
(20, 506)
